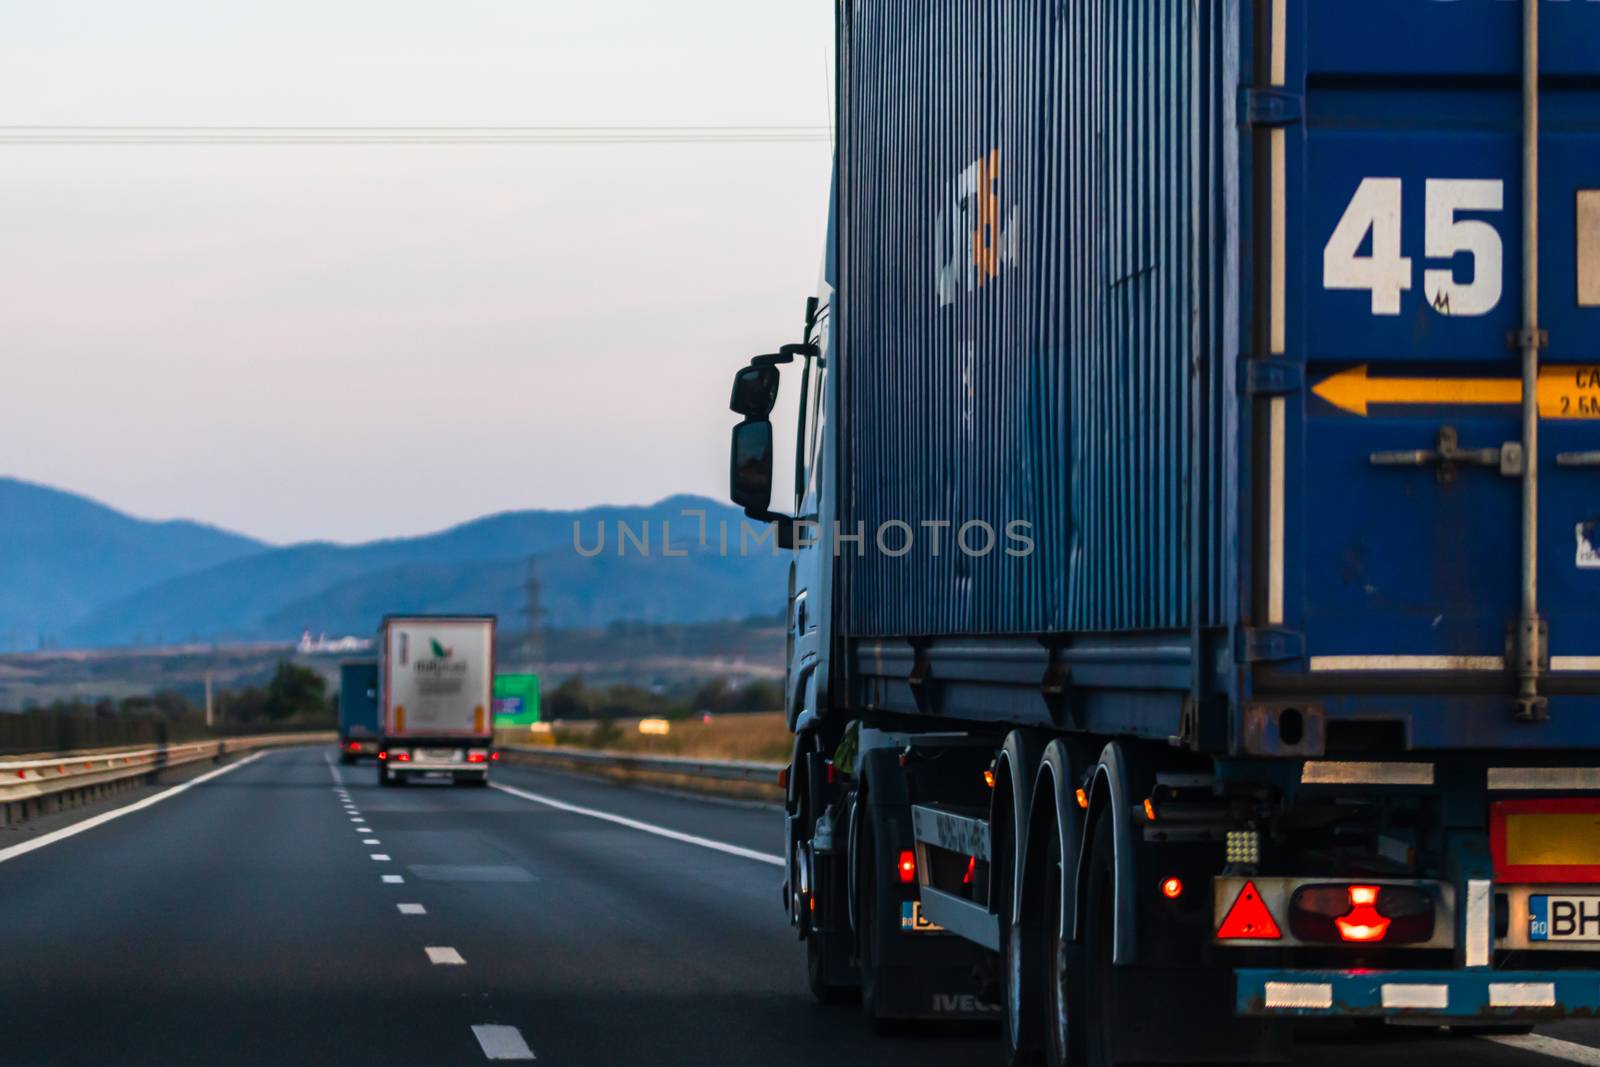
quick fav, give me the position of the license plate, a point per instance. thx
(438, 755)
(911, 918)
(1564, 918)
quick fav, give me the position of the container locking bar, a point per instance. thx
(1531, 706)
(1448, 455)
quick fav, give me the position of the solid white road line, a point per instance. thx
(412, 909)
(381, 857)
(649, 828)
(338, 779)
(90, 823)
(444, 955)
(502, 1042)
(393, 879)
(1549, 1046)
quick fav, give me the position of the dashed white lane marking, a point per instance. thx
(502, 1042)
(370, 841)
(90, 823)
(444, 955)
(381, 857)
(412, 909)
(1549, 1046)
(393, 879)
(649, 828)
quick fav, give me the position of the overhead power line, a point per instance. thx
(407, 135)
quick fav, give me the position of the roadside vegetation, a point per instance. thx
(295, 698)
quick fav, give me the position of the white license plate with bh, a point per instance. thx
(1563, 918)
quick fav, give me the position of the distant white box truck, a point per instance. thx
(436, 676)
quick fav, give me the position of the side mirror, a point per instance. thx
(755, 391)
(750, 466)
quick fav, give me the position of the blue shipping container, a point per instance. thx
(358, 699)
(1214, 300)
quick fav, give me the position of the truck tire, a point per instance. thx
(1022, 938)
(869, 921)
(1062, 962)
(1098, 972)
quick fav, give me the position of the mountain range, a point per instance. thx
(76, 573)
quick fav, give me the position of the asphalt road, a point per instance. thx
(247, 920)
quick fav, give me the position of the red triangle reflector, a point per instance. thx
(1249, 918)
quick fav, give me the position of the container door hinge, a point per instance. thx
(1270, 377)
(1268, 644)
(1270, 107)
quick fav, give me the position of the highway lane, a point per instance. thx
(247, 921)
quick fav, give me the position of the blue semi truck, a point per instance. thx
(1195, 536)
(358, 710)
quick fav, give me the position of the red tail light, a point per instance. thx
(907, 867)
(400, 757)
(972, 868)
(1395, 914)
(494, 757)
(477, 757)
(383, 755)
(354, 746)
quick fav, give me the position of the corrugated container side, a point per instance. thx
(1021, 309)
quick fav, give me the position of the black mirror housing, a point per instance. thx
(755, 391)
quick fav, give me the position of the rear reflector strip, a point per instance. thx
(1444, 994)
(1479, 915)
(1299, 995)
(1350, 772)
(1403, 995)
(1522, 994)
(1581, 778)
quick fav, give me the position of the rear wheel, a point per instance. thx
(1021, 938)
(1099, 988)
(1062, 963)
(869, 921)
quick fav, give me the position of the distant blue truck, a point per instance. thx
(1195, 522)
(358, 710)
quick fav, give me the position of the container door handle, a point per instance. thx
(1447, 454)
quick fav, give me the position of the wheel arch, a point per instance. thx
(1113, 782)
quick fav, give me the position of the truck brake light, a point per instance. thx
(1363, 914)
(477, 757)
(907, 867)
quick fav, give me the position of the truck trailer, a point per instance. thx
(358, 710)
(1195, 540)
(435, 677)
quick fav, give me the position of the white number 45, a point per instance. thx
(1375, 209)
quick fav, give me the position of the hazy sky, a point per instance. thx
(351, 342)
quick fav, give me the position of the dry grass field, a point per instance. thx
(758, 736)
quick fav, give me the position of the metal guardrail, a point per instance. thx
(40, 776)
(720, 770)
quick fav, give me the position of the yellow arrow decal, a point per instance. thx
(1564, 392)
